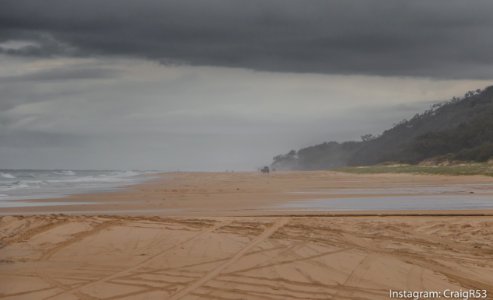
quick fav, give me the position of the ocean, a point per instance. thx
(39, 184)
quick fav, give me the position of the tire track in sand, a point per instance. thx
(29, 233)
(78, 237)
(207, 277)
(350, 285)
(127, 271)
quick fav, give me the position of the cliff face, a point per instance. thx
(460, 129)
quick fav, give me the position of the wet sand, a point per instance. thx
(207, 236)
(246, 194)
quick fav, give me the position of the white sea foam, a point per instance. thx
(125, 173)
(21, 184)
(66, 173)
(7, 175)
(16, 185)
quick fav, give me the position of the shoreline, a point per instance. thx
(31, 186)
(253, 194)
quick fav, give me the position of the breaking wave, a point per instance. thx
(20, 183)
(7, 175)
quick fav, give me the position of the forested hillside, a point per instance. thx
(458, 130)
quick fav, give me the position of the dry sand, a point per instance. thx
(221, 245)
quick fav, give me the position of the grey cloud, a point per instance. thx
(19, 91)
(441, 39)
(38, 139)
(65, 73)
(45, 45)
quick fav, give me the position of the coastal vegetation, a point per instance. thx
(454, 169)
(455, 131)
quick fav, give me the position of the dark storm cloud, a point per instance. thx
(443, 39)
(63, 74)
(45, 44)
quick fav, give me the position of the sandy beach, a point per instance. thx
(254, 194)
(227, 236)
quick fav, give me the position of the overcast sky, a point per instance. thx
(223, 84)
